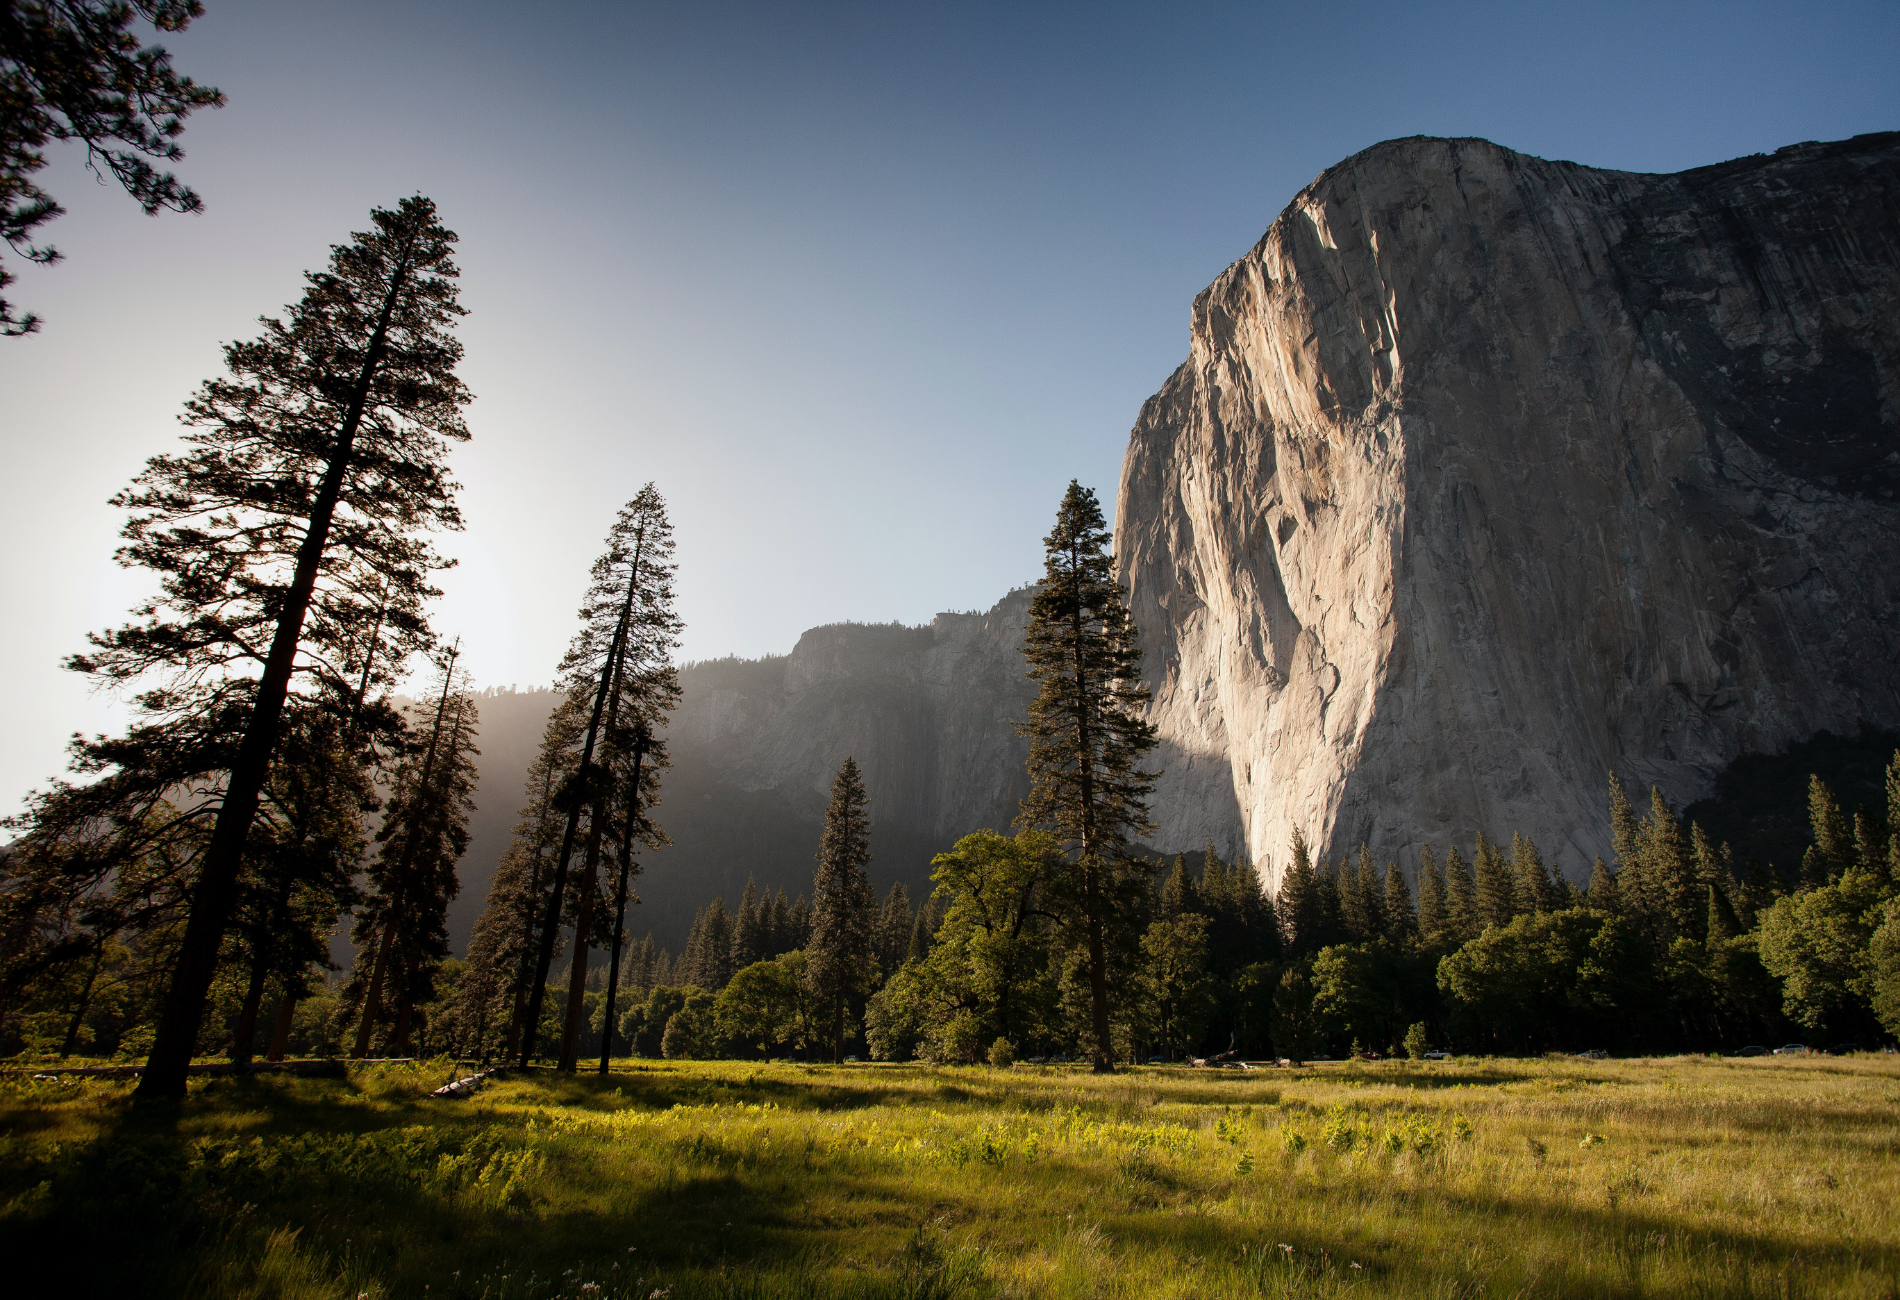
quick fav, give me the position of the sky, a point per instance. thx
(859, 287)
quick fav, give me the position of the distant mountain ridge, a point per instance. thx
(928, 712)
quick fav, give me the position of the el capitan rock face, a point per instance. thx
(1487, 475)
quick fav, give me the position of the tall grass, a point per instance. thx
(1680, 1177)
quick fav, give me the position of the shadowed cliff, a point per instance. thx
(928, 712)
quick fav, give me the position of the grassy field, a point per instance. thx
(667, 1181)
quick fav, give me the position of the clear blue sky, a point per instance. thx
(860, 286)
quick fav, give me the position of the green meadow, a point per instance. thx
(1683, 1176)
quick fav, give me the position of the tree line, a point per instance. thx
(1671, 949)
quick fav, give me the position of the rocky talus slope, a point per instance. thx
(1487, 475)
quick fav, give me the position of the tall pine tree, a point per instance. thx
(1537, 893)
(591, 678)
(1497, 891)
(1302, 915)
(424, 834)
(1087, 737)
(647, 693)
(1461, 899)
(314, 470)
(1434, 911)
(843, 910)
(1401, 922)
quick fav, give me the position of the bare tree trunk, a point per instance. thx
(405, 1006)
(514, 1022)
(280, 1037)
(373, 997)
(215, 895)
(577, 973)
(85, 999)
(246, 1037)
(620, 904)
(1091, 867)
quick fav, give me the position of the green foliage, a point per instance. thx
(692, 1033)
(1497, 892)
(1174, 951)
(988, 971)
(1417, 1042)
(1539, 981)
(1817, 943)
(1295, 1025)
(1352, 995)
(1883, 976)
(771, 1006)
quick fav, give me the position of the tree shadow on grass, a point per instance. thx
(1611, 1254)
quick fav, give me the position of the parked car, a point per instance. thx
(1752, 1051)
(1792, 1049)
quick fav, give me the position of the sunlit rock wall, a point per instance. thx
(1487, 475)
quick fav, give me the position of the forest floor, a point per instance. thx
(669, 1181)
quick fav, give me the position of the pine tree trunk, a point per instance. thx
(85, 1001)
(1091, 869)
(280, 1036)
(405, 1008)
(215, 895)
(373, 997)
(246, 1037)
(577, 977)
(516, 1015)
(620, 905)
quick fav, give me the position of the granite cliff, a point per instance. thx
(1488, 475)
